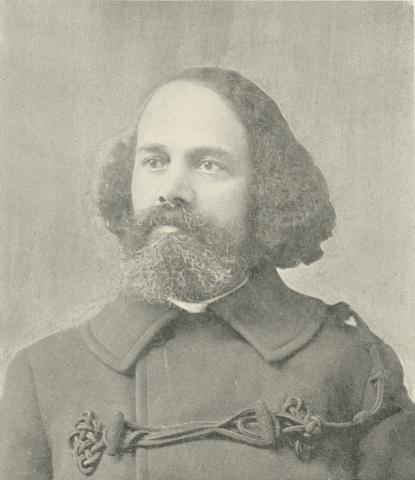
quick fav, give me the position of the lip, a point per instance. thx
(163, 230)
(166, 229)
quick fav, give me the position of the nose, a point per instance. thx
(176, 189)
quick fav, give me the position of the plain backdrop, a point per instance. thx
(73, 75)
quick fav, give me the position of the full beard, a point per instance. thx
(196, 262)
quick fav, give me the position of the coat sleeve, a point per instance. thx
(387, 450)
(24, 452)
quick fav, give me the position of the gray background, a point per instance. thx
(73, 74)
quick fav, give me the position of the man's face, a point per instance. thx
(192, 150)
(190, 196)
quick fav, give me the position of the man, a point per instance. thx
(207, 366)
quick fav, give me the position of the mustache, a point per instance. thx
(177, 216)
(192, 225)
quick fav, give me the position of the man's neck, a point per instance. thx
(200, 307)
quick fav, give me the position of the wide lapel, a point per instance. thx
(274, 319)
(123, 329)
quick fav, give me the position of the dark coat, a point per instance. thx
(161, 366)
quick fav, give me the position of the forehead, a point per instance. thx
(185, 114)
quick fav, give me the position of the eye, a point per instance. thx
(210, 166)
(155, 163)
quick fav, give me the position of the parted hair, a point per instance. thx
(291, 213)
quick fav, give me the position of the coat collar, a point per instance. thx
(274, 319)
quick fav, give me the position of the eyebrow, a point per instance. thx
(195, 153)
(154, 148)
(217, 152)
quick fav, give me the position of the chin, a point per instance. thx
(179, 266)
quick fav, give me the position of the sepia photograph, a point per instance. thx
(208, 246)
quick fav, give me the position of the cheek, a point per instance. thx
(226, 205)
(142, 193)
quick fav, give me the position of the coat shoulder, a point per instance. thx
(364, 354)
(57, 356)
(56, 345)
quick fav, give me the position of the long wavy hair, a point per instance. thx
(291, 213)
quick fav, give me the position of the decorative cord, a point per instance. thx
(256, 426)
